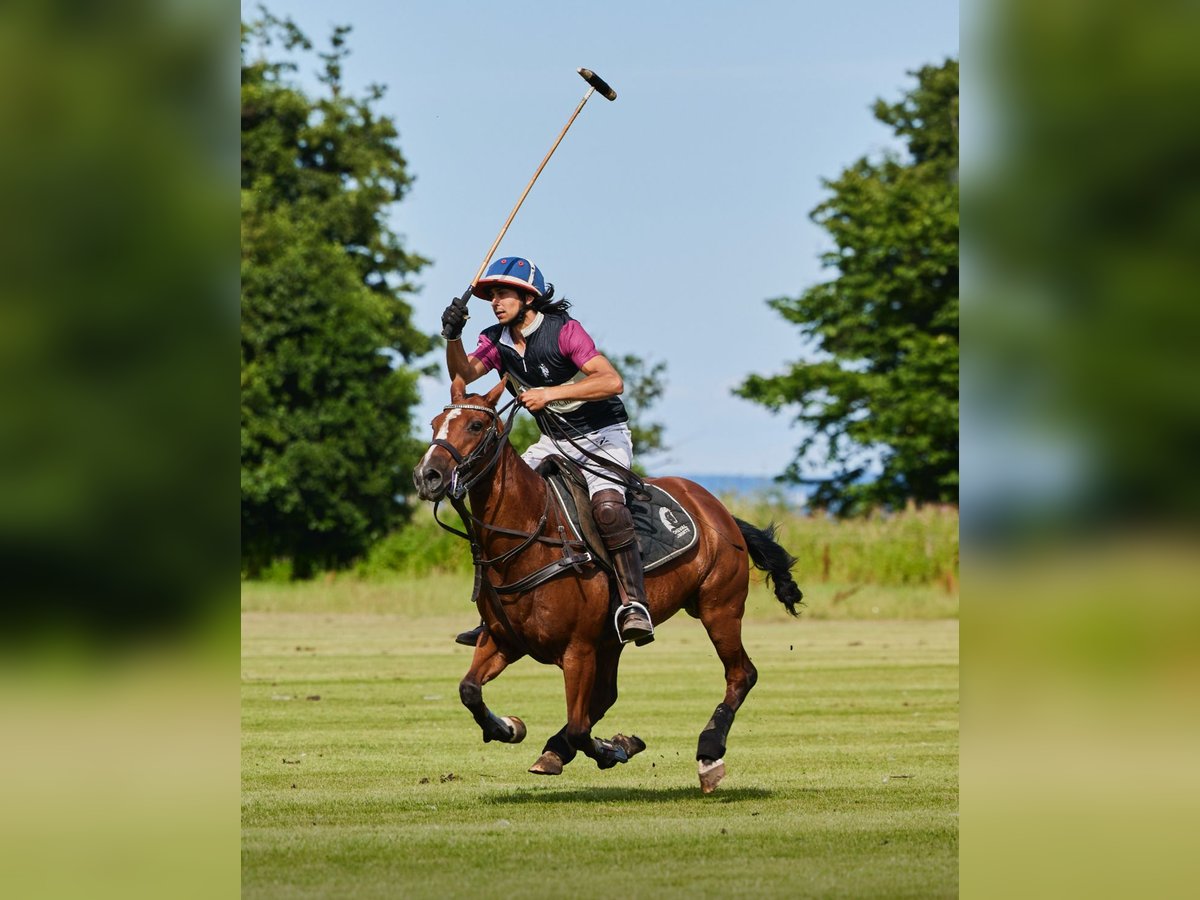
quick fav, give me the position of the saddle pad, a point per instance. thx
(664, 528)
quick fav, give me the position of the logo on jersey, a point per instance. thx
(545, 370)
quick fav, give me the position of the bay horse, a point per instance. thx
(566, 620)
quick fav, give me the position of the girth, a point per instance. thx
(570, 559)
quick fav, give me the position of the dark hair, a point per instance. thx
(547, 304)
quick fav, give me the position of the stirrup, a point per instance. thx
(643, 639)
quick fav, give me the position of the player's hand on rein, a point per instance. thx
(534, 399)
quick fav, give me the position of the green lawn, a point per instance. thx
(363, 775)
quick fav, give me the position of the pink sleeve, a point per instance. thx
(486, 353)
(576, 344)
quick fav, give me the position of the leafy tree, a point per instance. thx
(644, 385)
(327, 439)
(883, 382)
(1084, 319)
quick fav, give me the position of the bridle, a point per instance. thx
(462, 479)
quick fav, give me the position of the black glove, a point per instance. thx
(453, 319)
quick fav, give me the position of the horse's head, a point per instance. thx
(464, 433)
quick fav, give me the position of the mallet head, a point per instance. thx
(598, 83)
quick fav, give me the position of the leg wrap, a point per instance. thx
(560, 745)
(613, 519)
(712, 739)
(471, 695)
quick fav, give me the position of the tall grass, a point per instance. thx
(899, 566)
(420, 548)
(916, 546)
(913, 547)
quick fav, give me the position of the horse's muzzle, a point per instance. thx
(431, 481)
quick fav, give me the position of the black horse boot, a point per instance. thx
(470, 638)
(615, 522)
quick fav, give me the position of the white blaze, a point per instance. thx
(441, 435)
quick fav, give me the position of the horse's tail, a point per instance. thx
(767, 555)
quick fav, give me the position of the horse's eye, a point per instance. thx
(475, 427)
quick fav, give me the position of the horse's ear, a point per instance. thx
(493, 395)
(458, 389)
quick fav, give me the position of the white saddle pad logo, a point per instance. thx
(671, 521)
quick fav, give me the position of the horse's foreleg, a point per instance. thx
(558, 751)
(604, 695)
(556, 754)
(487, 663)
(579, 675)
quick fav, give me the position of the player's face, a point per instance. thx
(508, 304)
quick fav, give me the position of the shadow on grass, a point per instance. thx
(627, 795)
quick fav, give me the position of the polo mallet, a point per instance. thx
(595, 83)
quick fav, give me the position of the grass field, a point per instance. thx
(363, 775)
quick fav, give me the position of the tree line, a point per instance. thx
(331, 354)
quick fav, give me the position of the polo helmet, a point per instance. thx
(513, 271)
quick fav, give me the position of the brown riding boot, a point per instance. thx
(470, 638)
(634, 619)
(615, 523)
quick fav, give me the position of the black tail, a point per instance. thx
(767, 555)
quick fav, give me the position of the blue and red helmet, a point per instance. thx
(512, 271)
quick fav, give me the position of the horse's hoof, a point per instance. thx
(712, 773)
(517, 726)
(631, 745)
(549, 763)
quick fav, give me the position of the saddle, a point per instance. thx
(665, 530)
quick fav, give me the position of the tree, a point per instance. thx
(882, 385)
(327, 393)
(644, 385)
(1084, 318)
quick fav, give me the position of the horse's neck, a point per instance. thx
(512, 496)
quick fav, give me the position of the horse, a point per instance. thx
(566, 621)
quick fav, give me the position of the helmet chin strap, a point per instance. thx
(528, 313)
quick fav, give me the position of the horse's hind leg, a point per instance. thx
(487, 663)
(723, 622)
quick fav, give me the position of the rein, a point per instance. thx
(459, 486)
(632, 481)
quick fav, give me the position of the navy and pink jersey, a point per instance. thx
(556, 348)
(573, 342)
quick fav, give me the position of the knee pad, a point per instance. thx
(614, 519)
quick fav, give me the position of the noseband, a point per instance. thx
(495, 435)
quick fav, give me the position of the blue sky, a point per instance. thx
(669, 216)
